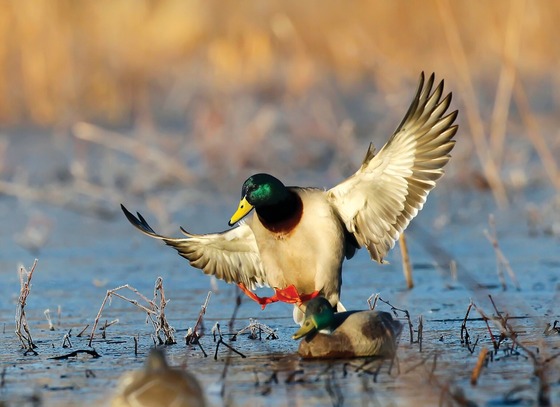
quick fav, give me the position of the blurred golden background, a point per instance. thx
(109, 60)
(231, 77)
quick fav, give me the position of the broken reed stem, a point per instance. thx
(472, 109)
(478, 367)
(201, 314)
(407, 267)
(506, 81)
(465, 336)
(21, 320)
(501, 260)
(373, 303)
(159, 324)
(406, 314)
(162, 323)
(47, 313)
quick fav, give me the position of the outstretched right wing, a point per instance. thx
(232, 256)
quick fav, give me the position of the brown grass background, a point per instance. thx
(243, 70)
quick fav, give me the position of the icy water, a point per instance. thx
(86, 256)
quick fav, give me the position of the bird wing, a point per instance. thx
(232, 256)
(377, 202)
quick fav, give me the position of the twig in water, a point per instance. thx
(91, 352)
(199, 321)
(66, 340)
(228, 358)
(193, 337)
(373, 303)
(47, 313)
(82, 331)
(407, 267)
(406, 314)
(256, 327)
(21, 320)
(217, 333)
(478, 367)
(501, 260)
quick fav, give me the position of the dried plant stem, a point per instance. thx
(154, 312)
(472, 109)
(507, 79)
(201, 314)
(373, 303)
(478, 367)
(407, 267)
(21, 320)
(501, 260)
(545, 152)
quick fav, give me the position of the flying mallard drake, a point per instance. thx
(297, 239)
(350, 333)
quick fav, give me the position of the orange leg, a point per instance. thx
(289, 295)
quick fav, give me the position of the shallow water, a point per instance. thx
(85, 256)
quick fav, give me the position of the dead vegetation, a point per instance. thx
(155, 312)
(22, 328)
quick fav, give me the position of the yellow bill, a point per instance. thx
(242, 211)
(309, 325)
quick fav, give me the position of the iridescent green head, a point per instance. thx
(259, 190)
(319, 315)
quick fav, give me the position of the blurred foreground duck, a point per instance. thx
(158, 385)
(298, 237)
(350, 334)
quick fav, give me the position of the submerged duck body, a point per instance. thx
(350, 334)
(297, 238)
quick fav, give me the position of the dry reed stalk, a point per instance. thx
(154, 312)
(47, 313)
(506, 82)
(540, 364)
(373, 303)
(256, 327)
(407, 266)
(472, 109)
(535, 136)
(193, 335)
(501, 260)
(478, 367)
(22, 329)
(162, 324)
(134, 147)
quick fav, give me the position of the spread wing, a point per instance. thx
(231, 256)
(377, 203)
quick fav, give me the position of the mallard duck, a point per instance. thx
(349, 334)
(158, 385)
(298, 237)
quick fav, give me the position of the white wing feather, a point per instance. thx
(232, 256)
(377, 203)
